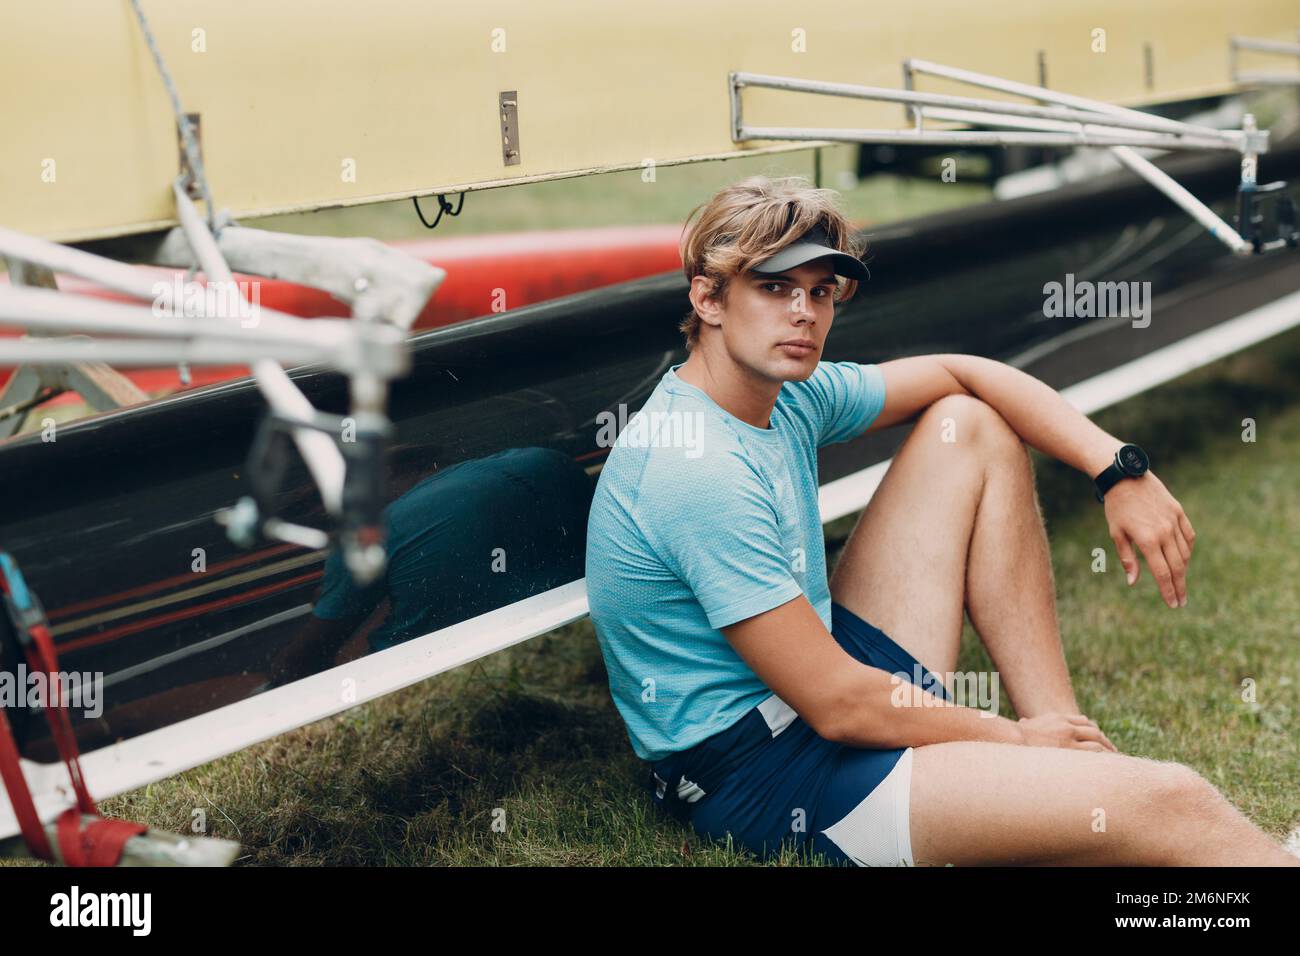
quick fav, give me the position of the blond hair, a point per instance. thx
(746, 222)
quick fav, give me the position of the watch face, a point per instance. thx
(1132, 461)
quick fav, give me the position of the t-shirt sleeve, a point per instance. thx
(718, 532)
(846, 397)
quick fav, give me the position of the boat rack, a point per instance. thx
(1058, 119)
(369, 351)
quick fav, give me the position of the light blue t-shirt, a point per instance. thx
(701, 520)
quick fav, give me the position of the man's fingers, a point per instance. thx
(1124, 548)
(1160, 571)
(1178, 569)
(1088, 745)
(1184, 546)
(1093, 735)
(1188, 533)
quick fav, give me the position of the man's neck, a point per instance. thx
(726, 383)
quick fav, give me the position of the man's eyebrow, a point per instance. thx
(824, 280)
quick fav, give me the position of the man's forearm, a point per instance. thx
(887, 711)
(1036, 412)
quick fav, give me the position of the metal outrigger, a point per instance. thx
(1058, 119)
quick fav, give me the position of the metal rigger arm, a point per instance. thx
(1058, 119)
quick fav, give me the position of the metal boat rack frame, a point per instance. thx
(379, 281)
(1058, 119)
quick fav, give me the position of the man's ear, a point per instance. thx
(707, 307)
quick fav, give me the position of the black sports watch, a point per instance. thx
(1130, 462)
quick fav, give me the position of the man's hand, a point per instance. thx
(1139, 510)
(1142, 512)
(1064, 730)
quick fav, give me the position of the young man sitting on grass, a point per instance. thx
(765, 697)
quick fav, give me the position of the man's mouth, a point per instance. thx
(798, 348)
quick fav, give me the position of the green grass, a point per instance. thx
(530, 737)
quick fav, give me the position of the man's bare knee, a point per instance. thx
(965, 419)
(1180, 790)
(1172, 803)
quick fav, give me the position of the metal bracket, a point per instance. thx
(1251, 219)
(363, 490)
(508, 109)
(188, 175)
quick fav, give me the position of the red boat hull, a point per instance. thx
(485, 273)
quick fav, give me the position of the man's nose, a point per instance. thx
(799, 304)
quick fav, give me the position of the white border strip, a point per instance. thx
(171, 750)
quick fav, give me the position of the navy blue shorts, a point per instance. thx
(769, 781)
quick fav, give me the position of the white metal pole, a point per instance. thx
(1066, 99)
(319, 452)
(976, 137)
(1189, 203)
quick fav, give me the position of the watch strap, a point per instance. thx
(1107, 480)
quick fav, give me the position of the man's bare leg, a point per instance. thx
(985, 803)
(955, 524)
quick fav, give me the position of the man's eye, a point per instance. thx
(779, 286)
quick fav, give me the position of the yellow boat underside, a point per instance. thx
(309, 104)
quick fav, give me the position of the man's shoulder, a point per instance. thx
(826, 376)
(838, 401)
(676, 458)
(682, 447)
(674, 427)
